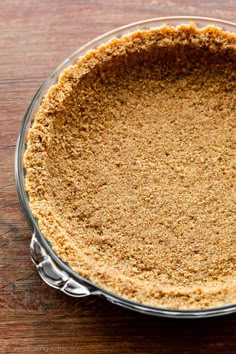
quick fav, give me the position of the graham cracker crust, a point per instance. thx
(131, 166)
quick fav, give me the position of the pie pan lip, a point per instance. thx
(47, 253)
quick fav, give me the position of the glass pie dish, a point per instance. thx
(51, 268)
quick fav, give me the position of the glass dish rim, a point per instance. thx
(22, 195)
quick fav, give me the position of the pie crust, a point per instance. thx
(131, 166)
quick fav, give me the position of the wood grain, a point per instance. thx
(35, 37)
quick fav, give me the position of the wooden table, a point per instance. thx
(35, 37)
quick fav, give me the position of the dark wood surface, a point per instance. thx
(35, 36)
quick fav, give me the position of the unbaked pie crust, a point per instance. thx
(131, 166)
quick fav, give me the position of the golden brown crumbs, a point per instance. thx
(131, 166)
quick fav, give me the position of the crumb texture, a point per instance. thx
(131, 167)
